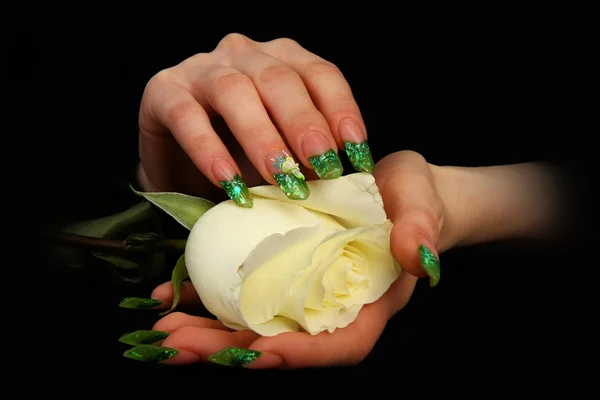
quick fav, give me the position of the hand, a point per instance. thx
(438, 207)
(406, 186)
(196, 338)
(217, 117)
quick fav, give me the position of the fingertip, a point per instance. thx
(404, 246)
(266, 360)
(182, 357)
(163, 292)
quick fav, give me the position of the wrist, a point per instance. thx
(483, 204)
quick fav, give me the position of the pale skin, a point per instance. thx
(440, 206)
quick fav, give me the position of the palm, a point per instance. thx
(197, 338)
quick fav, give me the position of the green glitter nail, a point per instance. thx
(139, 303)
(143, 337)
(234, 357)
(294, 188)
(430, 264)
(146, 352)
(360, 156)
(328, 165)
(237, 190)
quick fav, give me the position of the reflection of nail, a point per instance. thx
(430, 264)
(287, 174)
(321, 156)
(146, 352)
(232, 183)
(143, 337)
(139, 303)
(234, 357)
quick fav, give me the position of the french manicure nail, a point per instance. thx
(232, 183)
(139, 303)
(321, 156)
(234, 357)
(146, 352)
(430, 263)
(356, 145)
(287, 174)
(143, 337)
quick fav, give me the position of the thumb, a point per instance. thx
(407, 187)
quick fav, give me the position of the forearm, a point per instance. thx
(500, 202)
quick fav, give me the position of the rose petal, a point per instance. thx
(224, 237)
(354, 200)
(309, 291)
(269, 273)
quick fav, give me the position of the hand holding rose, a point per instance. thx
(437, 207)
(316, 278)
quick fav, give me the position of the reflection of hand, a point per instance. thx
(232, 111)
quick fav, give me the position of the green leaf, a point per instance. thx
(180, 273)
(183, 208)
(112, 225)
(117, 261)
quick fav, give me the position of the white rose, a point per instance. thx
(293, 265)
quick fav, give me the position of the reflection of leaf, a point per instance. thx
(183, 208)
(117, 261)
(112, 225)
(180, 273)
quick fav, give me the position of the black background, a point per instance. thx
(458, 94)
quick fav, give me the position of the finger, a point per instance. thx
(177, 320)
(172, 106)
(347, 346)
(188, 296)
(196, 344)
(333, 97)
(233, 95)
(406, 185)
(289, 104)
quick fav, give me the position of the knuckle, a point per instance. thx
(321, 68)
(277, 72)
(178, 111)
(198, 144)
(286, 42)
(235, 41)
(304, 122)
(256, 133)
(232, 81)
(160, 79)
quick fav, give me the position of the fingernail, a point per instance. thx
(430, 263)
(356, 145)
(232, 183)
(139, 303)
(234, 357)
(146, 352)
(143, 337)
(287, 174)
(321, 156)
